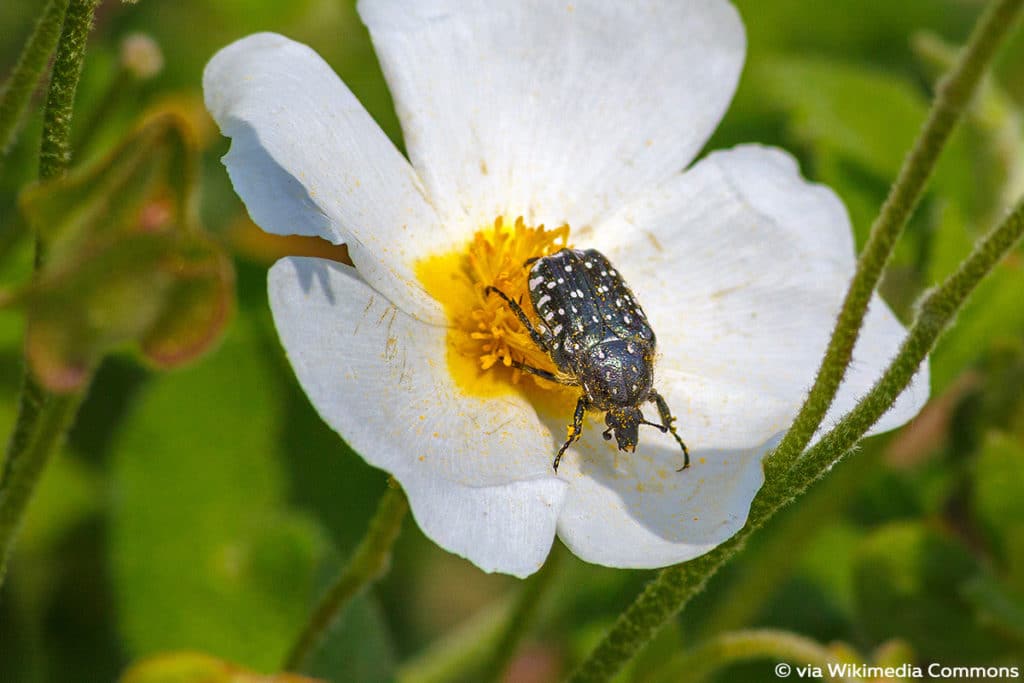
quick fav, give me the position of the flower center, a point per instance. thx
(486, 340)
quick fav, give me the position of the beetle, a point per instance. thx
(598, 337)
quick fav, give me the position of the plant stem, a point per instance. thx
(369, 562)
(935, 314)
(660, 600)
(43, 417)
(55, 151)
(781, 546)
(24, 467)
(18, 89)
(953, 94)
(707, 657)
(523, 612)
(669, 592)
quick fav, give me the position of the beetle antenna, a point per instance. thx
(661, 428)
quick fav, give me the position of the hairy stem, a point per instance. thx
(22, 473)
(18, 89)
(43, 417)
(936, 312)
(781, 545)
(55, 151)
(369, 562)
(953, 94)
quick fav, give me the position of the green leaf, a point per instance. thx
(992, 313)
(866, 116)
(194, 667)
(951, 241)
(68, 492)
(877, 29)
(1000, 609)
(997, 502)
(205, 553)
(907, 583)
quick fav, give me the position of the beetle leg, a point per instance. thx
(574, 431)
(550, 376)
(538, 337)
(668, 421)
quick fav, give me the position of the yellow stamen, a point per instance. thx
(485, 337)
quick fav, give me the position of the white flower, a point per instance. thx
(570, 113)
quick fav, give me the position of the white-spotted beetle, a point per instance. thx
(596, 334)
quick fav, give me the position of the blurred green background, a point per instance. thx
(203, 509)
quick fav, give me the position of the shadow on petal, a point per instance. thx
(277, 201)
(637, 510)
(316, 269)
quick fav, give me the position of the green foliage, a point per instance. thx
(908, 580)
(198, 519)
(125, 261)
(998, 483)
(192, 667)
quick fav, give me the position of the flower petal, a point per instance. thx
(307, 159)
(477, 471)
(635, 509)
(557, 111)
(741, 266)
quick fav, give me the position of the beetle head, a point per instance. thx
(625, 423)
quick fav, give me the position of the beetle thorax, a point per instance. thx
(617, 373)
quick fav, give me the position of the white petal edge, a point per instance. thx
(477, 471)
(741, 266)
(877, 345)
(306, 158)
(635, 510)
(557, 111)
